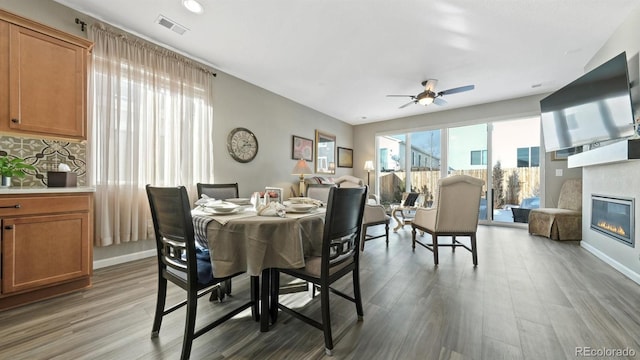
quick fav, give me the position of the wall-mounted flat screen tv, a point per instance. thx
(595, 107)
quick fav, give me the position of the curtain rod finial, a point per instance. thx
(83, 25)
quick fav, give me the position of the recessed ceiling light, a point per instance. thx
(193, 6)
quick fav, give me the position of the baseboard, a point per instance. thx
(615, 264)
(123, 259)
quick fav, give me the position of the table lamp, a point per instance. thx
(368, 167)
(302, 169)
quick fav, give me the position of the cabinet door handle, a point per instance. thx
(15, 121)
(8, 227)
(16, 206)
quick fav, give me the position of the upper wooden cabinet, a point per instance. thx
(43, 79)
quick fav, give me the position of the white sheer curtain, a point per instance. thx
(151, 123)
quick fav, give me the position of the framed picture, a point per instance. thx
(301, 148)
(565, 153)
(274, 193)
(345, 157)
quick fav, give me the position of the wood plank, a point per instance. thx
(529, 298)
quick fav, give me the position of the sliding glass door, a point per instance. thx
(468, 154)
(515, 169)
(391, 168)
(505, 155)
(408, 163)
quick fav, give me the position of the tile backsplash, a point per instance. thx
(45, 155)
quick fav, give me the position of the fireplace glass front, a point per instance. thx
(614, 217)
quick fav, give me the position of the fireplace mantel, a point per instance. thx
(624, 150)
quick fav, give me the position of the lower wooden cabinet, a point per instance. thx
(46, 246)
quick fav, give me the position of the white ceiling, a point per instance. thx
(342, 57)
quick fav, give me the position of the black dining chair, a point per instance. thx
(340, 257)
(183, 264)
(219, 192)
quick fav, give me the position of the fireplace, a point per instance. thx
(614, 217)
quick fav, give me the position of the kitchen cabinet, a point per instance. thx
(43, 80)
(46, 245)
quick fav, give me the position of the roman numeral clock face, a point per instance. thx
(242, 145)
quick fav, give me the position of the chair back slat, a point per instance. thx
(343, 223)
(218, 191)
(173, 227)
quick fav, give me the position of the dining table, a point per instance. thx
(244, 241)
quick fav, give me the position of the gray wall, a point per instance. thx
(620, 179)
(237, 103)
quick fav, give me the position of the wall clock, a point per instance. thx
(242, 145)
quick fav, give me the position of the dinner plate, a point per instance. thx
(221, 206)
(220, 211)
(298, 200)
(302, 207)
(298, 210)
(239, 201)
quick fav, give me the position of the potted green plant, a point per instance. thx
(13, 167)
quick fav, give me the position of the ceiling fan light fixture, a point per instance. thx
(193, 6)
(426, 100)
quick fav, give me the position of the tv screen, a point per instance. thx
(593, 108)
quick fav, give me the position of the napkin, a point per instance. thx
(308, 200)
(315, 202)
(203, 200)
(271, 209)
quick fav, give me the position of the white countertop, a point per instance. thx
(44, 190)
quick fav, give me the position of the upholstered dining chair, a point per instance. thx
(181, 263)
(454, 213)
(563, 222)
(319, 191)
(374, 213)
(218, 191)
(339, 258)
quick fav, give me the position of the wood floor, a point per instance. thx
(529, 298)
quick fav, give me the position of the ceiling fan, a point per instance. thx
(429, 95)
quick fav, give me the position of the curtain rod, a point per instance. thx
(134, 39)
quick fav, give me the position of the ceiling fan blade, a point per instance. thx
(430, 84)
(439, 101)
(400, 96)
(456, 90)
(407, 104)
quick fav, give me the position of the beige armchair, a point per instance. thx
(374, 213)
(563, 222)
(454, 213)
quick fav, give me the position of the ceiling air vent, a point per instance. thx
(171, 25)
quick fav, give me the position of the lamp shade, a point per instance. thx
(301, 168)
(368, 165)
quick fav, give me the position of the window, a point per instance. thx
(153, 111)
(523, 157)
(528, 157)
(478, 157)
(535, 156)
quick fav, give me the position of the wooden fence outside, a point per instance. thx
(426, 181)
